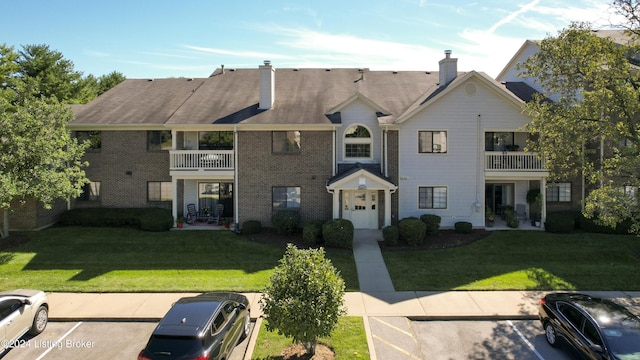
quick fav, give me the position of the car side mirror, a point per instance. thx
(596, 348)
(26, 302)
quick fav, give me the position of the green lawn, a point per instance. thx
(523, 260)
(129, 260)
(348, 341)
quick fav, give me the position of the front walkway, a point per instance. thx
(373, 275)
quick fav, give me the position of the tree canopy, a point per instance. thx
(38, 157)
(591, 127)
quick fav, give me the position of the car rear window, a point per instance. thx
(174, 345)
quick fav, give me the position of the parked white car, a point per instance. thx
(21, 311)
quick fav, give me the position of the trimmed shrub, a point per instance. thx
(511, 219)
(338, 233)
(149, 219)
(432, 222)
(304, 298)
(589, 225)
(285, 221)
(312, 233)
(155, 220)
(412, 230)
(251, 227)
(561, 221)
(390, 234)
(463, 227)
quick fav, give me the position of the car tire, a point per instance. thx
(246, 327)
(550, 334)
(39, 321)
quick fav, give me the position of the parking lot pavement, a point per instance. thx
(91, 340)
(393, 338)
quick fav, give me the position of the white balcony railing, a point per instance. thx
(201, 159)
(513, 161)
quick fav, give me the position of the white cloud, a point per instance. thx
(238, 53)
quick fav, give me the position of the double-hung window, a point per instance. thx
(90, 192)
(158, 140)
(432, 142)
(432, 197)
(285, 142)
(159, 191)
(559, 192)
(286, 197)
(94, 138)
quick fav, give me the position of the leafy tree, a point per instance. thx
(592, 128)
(305, 297)
(38, 157)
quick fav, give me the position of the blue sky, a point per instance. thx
(190, 38)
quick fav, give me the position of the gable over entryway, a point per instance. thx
(363, 197)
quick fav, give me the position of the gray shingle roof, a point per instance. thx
(302, 96)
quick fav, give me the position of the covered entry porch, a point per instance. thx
(363, 197)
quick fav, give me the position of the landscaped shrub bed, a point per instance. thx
(149, 219)
(589, 225)
(463, 227)
(251, 227)
(285, 221)
(561, 221)
(390, 234)
(338, 233)
(432, 222)
(312, 233)
(412, 230)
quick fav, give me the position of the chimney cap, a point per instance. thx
(447, 53)
(267, 62)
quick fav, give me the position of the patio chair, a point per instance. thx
(217, 215)
(521, 212)
(192, 214)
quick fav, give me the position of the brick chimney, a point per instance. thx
(267, 85)
(448, 68)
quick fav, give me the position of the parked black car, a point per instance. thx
(204, 327)
(597, 328)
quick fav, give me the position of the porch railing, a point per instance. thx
(201, 159)
(513, 161)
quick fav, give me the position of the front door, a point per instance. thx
(361, 207)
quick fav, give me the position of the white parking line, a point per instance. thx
(531, 347)
(59, 341)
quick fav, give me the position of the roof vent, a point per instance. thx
(327, 69)
(149, 79)
(267, 62)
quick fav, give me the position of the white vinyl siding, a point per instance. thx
(358, 113)
(461, 169)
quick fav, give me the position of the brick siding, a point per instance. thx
(259, 170)
(123, 152)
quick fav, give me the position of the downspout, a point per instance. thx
(235, 181)
(333, 153)
(385, 152)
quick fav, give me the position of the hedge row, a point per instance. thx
(148, 219)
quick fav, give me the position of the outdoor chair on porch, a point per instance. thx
(217, 215)
(192, 214)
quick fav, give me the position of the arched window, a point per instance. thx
(357, 143)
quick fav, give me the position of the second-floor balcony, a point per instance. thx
(201, 160)
(512, 161)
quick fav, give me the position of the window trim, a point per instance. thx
(445, 187)
(169, 183)
(357, 141)
(446, 136)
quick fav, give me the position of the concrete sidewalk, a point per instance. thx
(428, 305)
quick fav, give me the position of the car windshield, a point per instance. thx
(623, 342)
(171, 347)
